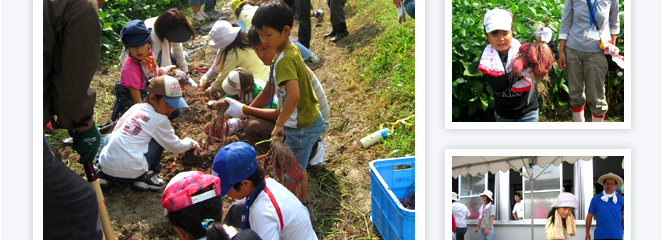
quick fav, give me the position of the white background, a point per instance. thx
(644, 138)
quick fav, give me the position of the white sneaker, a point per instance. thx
(313, 58)
(203, 14)
(198, 16)
(319, 14)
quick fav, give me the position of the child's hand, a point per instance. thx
(234, 108)
(196, 145)
(211, 94)
(203, 82)
(544, 33)
(277, 129)
(485, 232)
(476, 230)
(168, 68)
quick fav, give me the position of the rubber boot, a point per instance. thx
(332, 33)
(579, 116)
(342, 32)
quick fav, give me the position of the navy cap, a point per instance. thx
(134, 33)
(233, 163)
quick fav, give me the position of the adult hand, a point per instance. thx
(588, 236)
(485, 232)
(277, 129)
(86, 143)
(211, 94)
(234, 108)
(167, 69)
(185, 69)
(562, 60)
(544, 33)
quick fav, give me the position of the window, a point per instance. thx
(546, 188)
(470, 188)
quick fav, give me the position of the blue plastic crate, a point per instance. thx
(388, 186)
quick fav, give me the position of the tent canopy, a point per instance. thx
(475, 165)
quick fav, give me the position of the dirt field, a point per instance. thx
(339, 193)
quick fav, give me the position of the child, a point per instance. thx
(240, 85)
(514, 100)
(486, 217)
(560, 223)
(244, 12)
(134, 148)
(300, 119)
(193, 203)
(138, 67)
(233, 50)
(271, 210)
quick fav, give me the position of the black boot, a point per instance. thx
(332, 33)
(341, 31)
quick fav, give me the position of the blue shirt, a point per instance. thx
(608, 217)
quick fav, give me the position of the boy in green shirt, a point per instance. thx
(300, 118)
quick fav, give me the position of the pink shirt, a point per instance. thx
(131, 75)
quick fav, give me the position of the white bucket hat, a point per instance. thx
(617, 179)
(566, 199)
(488, 194)
(454, 196)
(222, 34)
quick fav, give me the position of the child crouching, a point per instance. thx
(135, 147)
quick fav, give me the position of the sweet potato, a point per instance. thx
(523, 48)
(518, 65)
(532, 53)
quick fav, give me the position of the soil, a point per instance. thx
(339, 190)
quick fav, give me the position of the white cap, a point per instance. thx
(566, 199)
(222, 34)
(497, 19)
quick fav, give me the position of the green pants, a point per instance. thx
(336, 15)
(585, 72)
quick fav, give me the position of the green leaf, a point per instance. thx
(484, 101)
(455, 110)
(460, 80)
(477, 87)
(102, 14)
(473, 108)
(566, 88)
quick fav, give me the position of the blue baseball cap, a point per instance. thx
(134, 33)
(170, 89)
(233, 163)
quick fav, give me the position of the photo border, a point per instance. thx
(449, 153)
(448, 106)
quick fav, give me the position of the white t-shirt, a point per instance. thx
(124, 155)
(461, 213)
(265, 221)
(519, 209)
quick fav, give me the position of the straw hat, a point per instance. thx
(617, 179)
(488, 194)
(454, 196)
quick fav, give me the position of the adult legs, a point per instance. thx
(575, 75)
(209, 5)
(71, 210)
(303, 8)
(337, 19)
(258, 129)
(595, 69)
(460, 233)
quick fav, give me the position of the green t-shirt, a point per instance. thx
(249, 96)
(290, 66)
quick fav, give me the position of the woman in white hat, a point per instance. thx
(233, 50)
(486, 216)
(561, 223)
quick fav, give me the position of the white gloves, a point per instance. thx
(526, 72)
(185, 68)
(233, 125)
(168, 68)
(234, 108)
(203, 80)
(544, 33)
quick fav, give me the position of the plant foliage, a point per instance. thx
(472, 98)
(114, 14)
